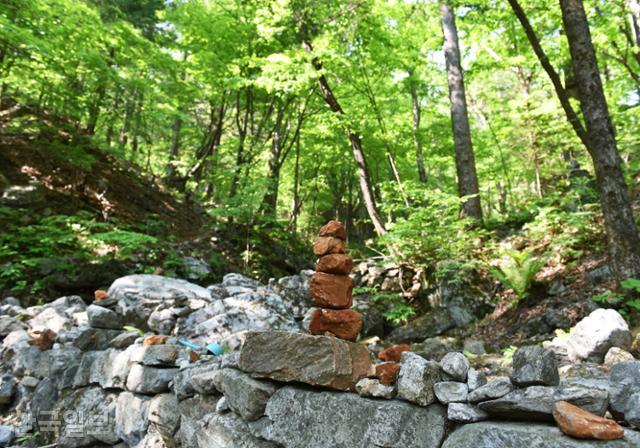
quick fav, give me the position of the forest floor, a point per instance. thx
(72, 177)
(70, 205)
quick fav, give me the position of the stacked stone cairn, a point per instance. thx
(331, 287)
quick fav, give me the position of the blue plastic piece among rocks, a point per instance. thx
(189, 344)
(215, 349)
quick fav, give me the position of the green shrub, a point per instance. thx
(395, 309)
(431, 229)
(31, 251)
(518, 271)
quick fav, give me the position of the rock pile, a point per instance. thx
(331, 287)
(98, 382)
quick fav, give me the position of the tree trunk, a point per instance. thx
(572, 117)
(175, 147)
(295, 202)
(241, 125)
(422, 174)
(393, 167)
(270, 199)
(465, 161)
(356, 144)
(622, 233)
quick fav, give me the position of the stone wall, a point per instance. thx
(73, 376)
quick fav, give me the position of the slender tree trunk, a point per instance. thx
(356, 144)
(295, 203)
(422, 174)
(175, 147)
(561, 93)
(622, 233)
(393, 167)
(242, 122)
(270, 200)
(465, 160)
(126, 121)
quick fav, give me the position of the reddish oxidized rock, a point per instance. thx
(193, 356)
(343, 324)
(581, 424)
(340, 264)
(43, 339)
(100, 294)
(387, 372)
(156, 339)
(393, 353)
(331, 291)
(328, 245)
(334, 229)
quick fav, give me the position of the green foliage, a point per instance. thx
(134, 329)
(394, 307)
(150, 81)
(518, 271)
(27, 437)
(623, 303)
(60, 244)
(632, 284)
(507, 355)
(417, 236)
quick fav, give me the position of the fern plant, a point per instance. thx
(518, 271)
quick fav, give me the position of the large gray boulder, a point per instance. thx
(298, 418)
(527, 435)
(245, 395)
(227, 431)
(164, 413)
(225, 319)
(416, 379)
(456, 365)
(593, 336)
(496, 388)
(149, 380)
(535, 403)
(465, 413)
(434, 323)
(101, 317)
(132, 417)
(7, 388)
(315, 360)
(624, 381)
(7, 435)
(533, 366)
(138, 295)
(9, 324)
(192, 415)
(370, 387)
(632, 411)
(451, 392)
(92, 410)
(195, 379)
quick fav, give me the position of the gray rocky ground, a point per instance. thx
(91, 382)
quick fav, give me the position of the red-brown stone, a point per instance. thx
(331, 291)
(100, 294)
(393, 353)
(340, 264)
(334, 229)
(43, 339)
(328, 245)
(193, 356)
(581, 424)
(156, 339)
(343, 324)
(387, 372)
